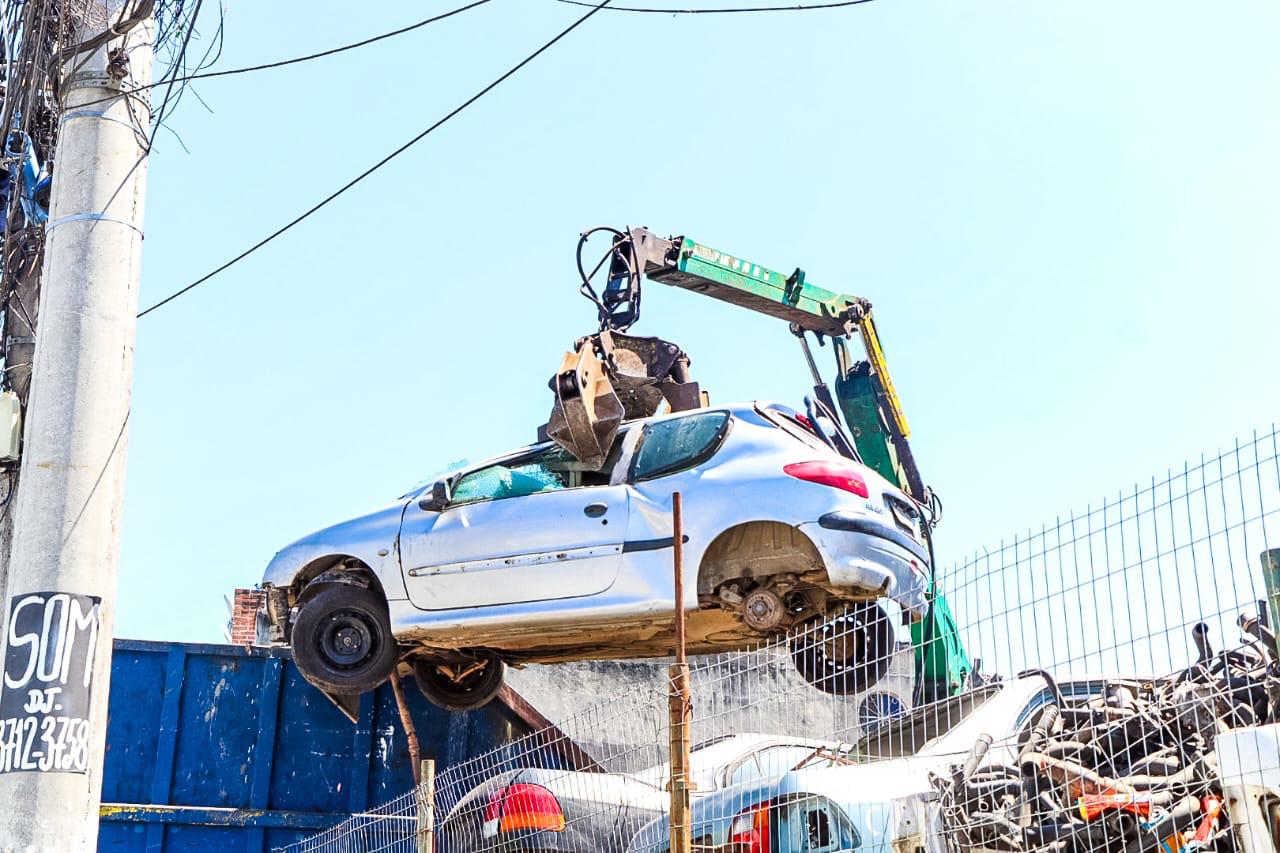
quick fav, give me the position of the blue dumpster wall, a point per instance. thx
(213, 747)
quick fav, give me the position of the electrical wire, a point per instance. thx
(621, 252)
(331, 51)
(140, 13)
(378, 165)
(798, 7)
(204, 75)
(37, 36)
(147, 140)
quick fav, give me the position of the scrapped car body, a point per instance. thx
(530, 557)
(552, 809)
(880, 801)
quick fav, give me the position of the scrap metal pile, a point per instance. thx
(1132, 768)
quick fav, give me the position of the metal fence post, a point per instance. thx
(426, 840)
(679, 702)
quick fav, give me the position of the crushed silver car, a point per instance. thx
(536, 557)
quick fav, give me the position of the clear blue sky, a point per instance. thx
(1064, 213)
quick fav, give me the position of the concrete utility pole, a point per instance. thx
(62, 584)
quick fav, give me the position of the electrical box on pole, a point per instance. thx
(10, 426)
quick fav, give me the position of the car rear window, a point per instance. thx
(792, 427)
(676, 444)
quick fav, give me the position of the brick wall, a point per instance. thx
(244, 616)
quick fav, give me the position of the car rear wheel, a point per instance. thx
(847, 653)
(342, 641)
(463, 685)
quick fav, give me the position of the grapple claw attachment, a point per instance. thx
(587, 413)
(611, 377)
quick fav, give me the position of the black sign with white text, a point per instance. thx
(48, 671)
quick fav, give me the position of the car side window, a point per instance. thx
(677, 444)
(545, 471)
(774, 761)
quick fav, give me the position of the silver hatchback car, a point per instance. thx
(533, 558)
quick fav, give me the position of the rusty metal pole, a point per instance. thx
(677, 547)
(426, 842)
(410, 733)
(679, 701)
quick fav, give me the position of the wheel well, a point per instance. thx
(757, 549)
(330, 564)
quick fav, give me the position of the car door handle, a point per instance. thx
(596, 509)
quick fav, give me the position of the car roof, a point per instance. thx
(713, 754)
(734, 409)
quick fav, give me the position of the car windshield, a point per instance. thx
(911, 732)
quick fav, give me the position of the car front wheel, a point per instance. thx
(846, 653)
(342, 640)
(460, 686)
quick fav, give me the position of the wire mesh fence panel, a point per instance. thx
(389, 828)
(1110, 681)
(1148, 619)
(587, 783)
(1118, 586)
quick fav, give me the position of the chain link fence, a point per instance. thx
(1124, 676)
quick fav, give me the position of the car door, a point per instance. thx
(533, 527)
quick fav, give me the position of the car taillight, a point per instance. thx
(838, 475)
(749, 832)
(522, 806)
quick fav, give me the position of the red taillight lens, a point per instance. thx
(837, 475)
(749, 832)
(522, 806)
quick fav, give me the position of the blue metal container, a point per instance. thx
(213, 747)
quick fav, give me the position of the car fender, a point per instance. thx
(373, 539)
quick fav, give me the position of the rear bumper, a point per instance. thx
(854, 523)
(866, 554)
(578, 835)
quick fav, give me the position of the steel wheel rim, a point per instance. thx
(347, 639)
(834, 651)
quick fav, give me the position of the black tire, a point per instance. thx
(342, 641)
(474, 690)
(846, 653)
